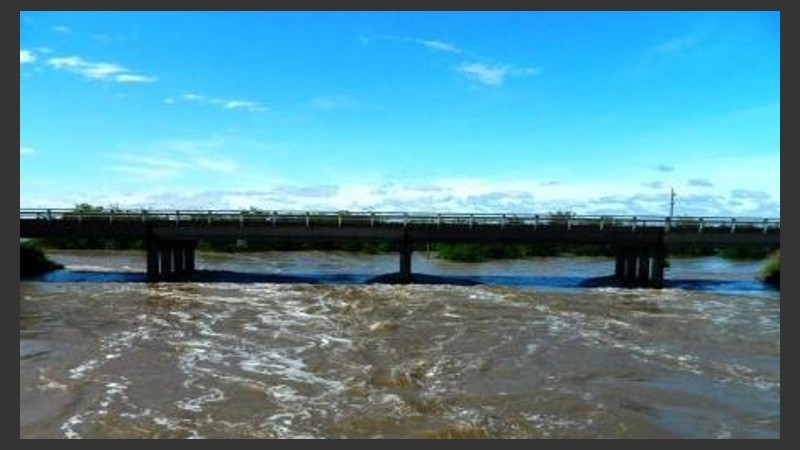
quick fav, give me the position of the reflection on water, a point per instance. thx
(527, 354)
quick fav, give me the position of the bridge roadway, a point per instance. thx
(171, 236)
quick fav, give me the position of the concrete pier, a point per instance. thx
(170, 260)
(640, 265)
(405, 260)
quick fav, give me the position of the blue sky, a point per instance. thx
(594, 112)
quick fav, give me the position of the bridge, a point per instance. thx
(171, 237)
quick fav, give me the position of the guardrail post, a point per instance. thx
(633, 227)
(274, 218)
(733, 224)
(471, 220)
(667, 224)
(569, 223)
(405, 220)
(602, 222)
(144, 216)
(80, 217)
(49, 215)
(177, 217)
(438, 221)
(372, 220)
(308, 219)
(111, 216)
(535, 221)
(209, 217)
(503, 221)
(241, 219)
(340, 219)
(766, 225)
(700, 226)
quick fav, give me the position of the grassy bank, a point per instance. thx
(771, 272)
(32, 261)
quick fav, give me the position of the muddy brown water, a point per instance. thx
(528, 354)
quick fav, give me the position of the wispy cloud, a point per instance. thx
(331, 102)
(172, 159)
(25, 151)
(493, 75)
(664, 168)
(480, 69)
(61, 29)
(654, 184)
(131, 78)
(676, 45)
(700, 182)
(98, 71)
(440, 46)
(229, 104)
(26, 57)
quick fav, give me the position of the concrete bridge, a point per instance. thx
(171, 236)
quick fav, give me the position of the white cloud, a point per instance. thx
(676, 45)
(23, 151)
(441, 46)
(163, 164)
(169, 100)
(243, 105)
(493, 75)
(173, 159)
(61, 29)
(26, 57)
(98, 71)
(130, 78)
(331, 102)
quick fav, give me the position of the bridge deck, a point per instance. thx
(397, 226)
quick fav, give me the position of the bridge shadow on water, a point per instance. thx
(547, 282)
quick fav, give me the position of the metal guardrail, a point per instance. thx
(373, 219)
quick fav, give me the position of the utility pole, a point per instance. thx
(671, 202)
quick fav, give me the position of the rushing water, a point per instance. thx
(311, 351)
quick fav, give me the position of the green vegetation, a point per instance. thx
(483, 252)
(32, 260)
(771, 272)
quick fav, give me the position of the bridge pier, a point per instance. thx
(405, 260)
(169, 260)
(640, 265)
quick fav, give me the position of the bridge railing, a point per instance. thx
(382, 218)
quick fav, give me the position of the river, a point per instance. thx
(310, 351)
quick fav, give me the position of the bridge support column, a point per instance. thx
(152, 261)
(657, 267)
(643, 269)
(640, 265)
(619, 265)
(630, 264)
(178, 249)
(189, 256)
(405, 260)
(165, 270)
(168, 260)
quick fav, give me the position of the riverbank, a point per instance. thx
(33, 262)
(771, 273)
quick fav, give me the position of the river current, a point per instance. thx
(296, 345)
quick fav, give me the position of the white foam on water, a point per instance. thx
(284, 393)
(80, 371)
(549, 423)
(196, 404)
(281, 425)
(68, 427)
